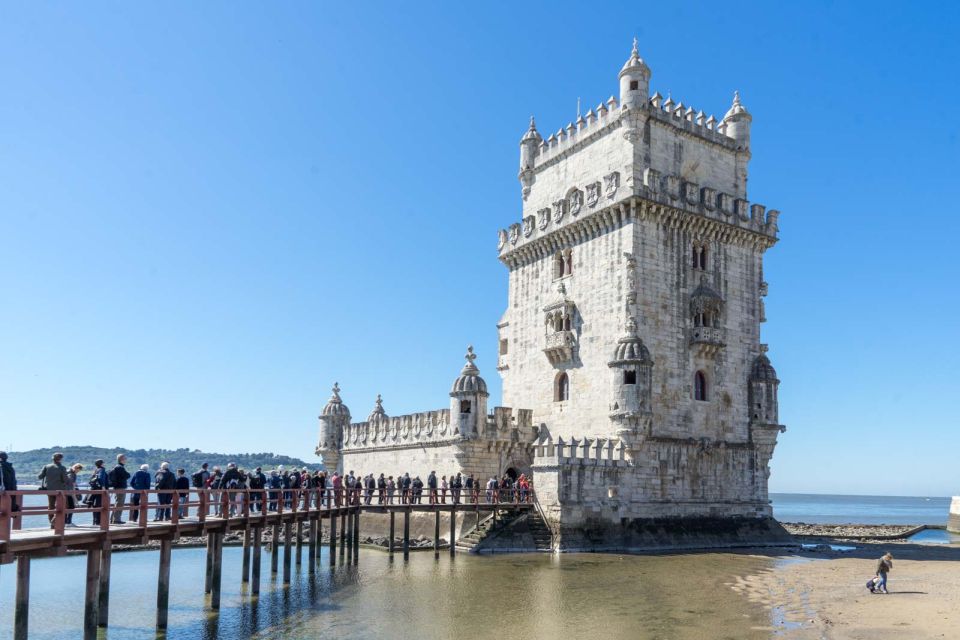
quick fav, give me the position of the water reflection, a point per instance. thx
(530, 596)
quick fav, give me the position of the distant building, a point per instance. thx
(631, 338)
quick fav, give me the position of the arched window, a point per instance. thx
(700, 386)
(561, 388)
(563, 263)
(700, 257)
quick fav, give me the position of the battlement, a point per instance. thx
(435, 427)
(597, 452)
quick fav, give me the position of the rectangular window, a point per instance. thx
(629, 377)
(503, 347)
(634, 85)
(464, 406)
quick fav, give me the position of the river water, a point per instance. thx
(511, 596)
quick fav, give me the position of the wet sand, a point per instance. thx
(823, 595)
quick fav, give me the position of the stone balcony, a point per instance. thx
(559, 346)
(707, 340)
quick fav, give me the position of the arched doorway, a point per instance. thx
(512, 474)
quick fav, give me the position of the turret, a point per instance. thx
(634, 80)
(737, 121)
(468, 399)
(334, 417)
(762, 392)
(529, 147)
(632, 369)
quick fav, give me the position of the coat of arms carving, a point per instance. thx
(543, 218)
(593, 194)
(576, 202)
(558, 210)
(611, 183)
(528, 224)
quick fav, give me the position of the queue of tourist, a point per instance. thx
(267, 491)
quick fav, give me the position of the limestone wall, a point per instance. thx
(953, 523)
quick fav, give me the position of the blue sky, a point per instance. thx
(211, 212)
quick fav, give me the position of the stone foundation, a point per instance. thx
(663, 534)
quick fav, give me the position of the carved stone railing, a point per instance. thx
(709, 336)
(559, 346)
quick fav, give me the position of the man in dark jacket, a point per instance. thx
(257, 481)
(432, 486)
(183, 487)
(53, 477)
(141, 482)
(98, 482)
(164, 482)
(118, 478)
(8, 480)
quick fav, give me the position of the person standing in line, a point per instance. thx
(432, 486)
(337, 483)
(457, 487)
(381, 489)
(165, 482)
(469, 486)
(257, 482)
(491, 488)
(118, 478)
(884, 566)
(418, 490)
(371, 487)
(213, 484)
(229, 484)
(53, 477)
(322, 488)
(274, 483)
(139, 481)
(405, 489)
(8, 481)
(183, 487)
(98, 481)
(391, 489)
(443, 489)
(72, 491)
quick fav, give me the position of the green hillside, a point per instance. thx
(29, 463)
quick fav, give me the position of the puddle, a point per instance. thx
(842, 548)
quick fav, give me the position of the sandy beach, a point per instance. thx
(823, 596)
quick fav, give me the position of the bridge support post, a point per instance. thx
(299, 543)
(356, 536)
(92, 595)
(163, 583)
(257, 534)
(333, 539)
(22, 608)
(103, 613)
(209, 576)
(436, 535)
(245, 567)
(453, 531)
(312, 544)
(217, 570)
(343, 532)
(406, 534)
(286, 552)
(392, 534)
(275, 548)
(348, 528)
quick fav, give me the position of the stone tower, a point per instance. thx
(635, 299)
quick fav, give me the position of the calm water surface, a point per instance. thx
(510, 596)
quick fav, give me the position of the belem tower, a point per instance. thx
(637, 390)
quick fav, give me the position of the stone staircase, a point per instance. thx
(513, 532)
(472, 539)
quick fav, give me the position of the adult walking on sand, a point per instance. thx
(884, 566)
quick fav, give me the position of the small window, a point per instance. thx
(634, 85)
(629, 377)
(464, 406)
(503, 347)
(561, 388)
(700, 386)
(699, 257)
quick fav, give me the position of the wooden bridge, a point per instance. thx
(288, 513)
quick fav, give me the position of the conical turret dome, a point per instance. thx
(469, 380)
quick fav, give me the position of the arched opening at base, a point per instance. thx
(512, 473)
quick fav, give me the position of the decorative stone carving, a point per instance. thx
(514, 233)
(611, 182)
(593, 194)
(575, 201)
(543, 216)
(558, 210)
(501, 238)
(529, 223)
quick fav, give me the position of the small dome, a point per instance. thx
(737, 110)
(762, 370)
(532, 133)
(630, 348)
(469, 381)
(704, 298)
(635, 63)
(335, 406)
(378, 413)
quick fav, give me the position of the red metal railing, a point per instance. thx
(173, 505)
